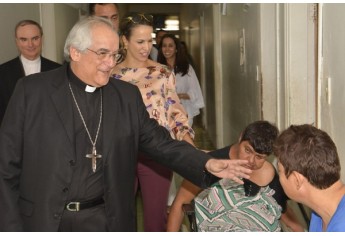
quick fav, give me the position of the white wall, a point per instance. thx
(65, 17)
(300, 63)
(332, 58)
(269, 57)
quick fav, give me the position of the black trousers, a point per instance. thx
(88, 220)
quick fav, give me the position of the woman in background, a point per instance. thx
(188, 88)
(157, 86)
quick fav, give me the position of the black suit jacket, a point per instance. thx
(10, 73)
(37, 145)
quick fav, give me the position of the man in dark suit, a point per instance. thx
(28, 35)
(70, 138)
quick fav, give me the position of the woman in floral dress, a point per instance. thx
(157, 86)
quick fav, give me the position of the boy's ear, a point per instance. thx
(298, 179)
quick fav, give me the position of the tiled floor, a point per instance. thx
(202, 141)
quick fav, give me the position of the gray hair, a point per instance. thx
(80, 36)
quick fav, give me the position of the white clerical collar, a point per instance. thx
(31, 66)
(27, 61)
(90, 89)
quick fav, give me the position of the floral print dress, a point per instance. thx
(157, 85)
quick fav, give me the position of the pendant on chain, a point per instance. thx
(94, 157)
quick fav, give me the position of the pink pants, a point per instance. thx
(154, 180)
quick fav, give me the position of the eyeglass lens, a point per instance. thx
(103, 54)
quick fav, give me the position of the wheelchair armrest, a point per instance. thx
(189, 211)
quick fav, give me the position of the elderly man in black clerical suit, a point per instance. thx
(69, 142)
(28, 35)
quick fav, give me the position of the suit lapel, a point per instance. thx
(63, 105)
(110, 105)
(20, 66)
(61, 99)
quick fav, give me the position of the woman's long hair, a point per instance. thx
(181, 64)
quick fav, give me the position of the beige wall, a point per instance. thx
(57, 20)
(65, 17)
(332, 58)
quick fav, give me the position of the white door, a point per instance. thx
(331, 82)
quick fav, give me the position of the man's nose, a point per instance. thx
(110, 61)
(30, 42)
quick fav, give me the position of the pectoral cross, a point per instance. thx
(93, 157)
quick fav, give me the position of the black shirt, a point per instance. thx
(85, 184)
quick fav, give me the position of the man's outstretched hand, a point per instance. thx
(228, 169)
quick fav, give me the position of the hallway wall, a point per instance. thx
(279, 82)
(331, 97)
(230, 79)
(240, 57)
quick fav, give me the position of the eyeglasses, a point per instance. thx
(139, 17)
(102, 55)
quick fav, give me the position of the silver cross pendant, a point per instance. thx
(93, 157)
